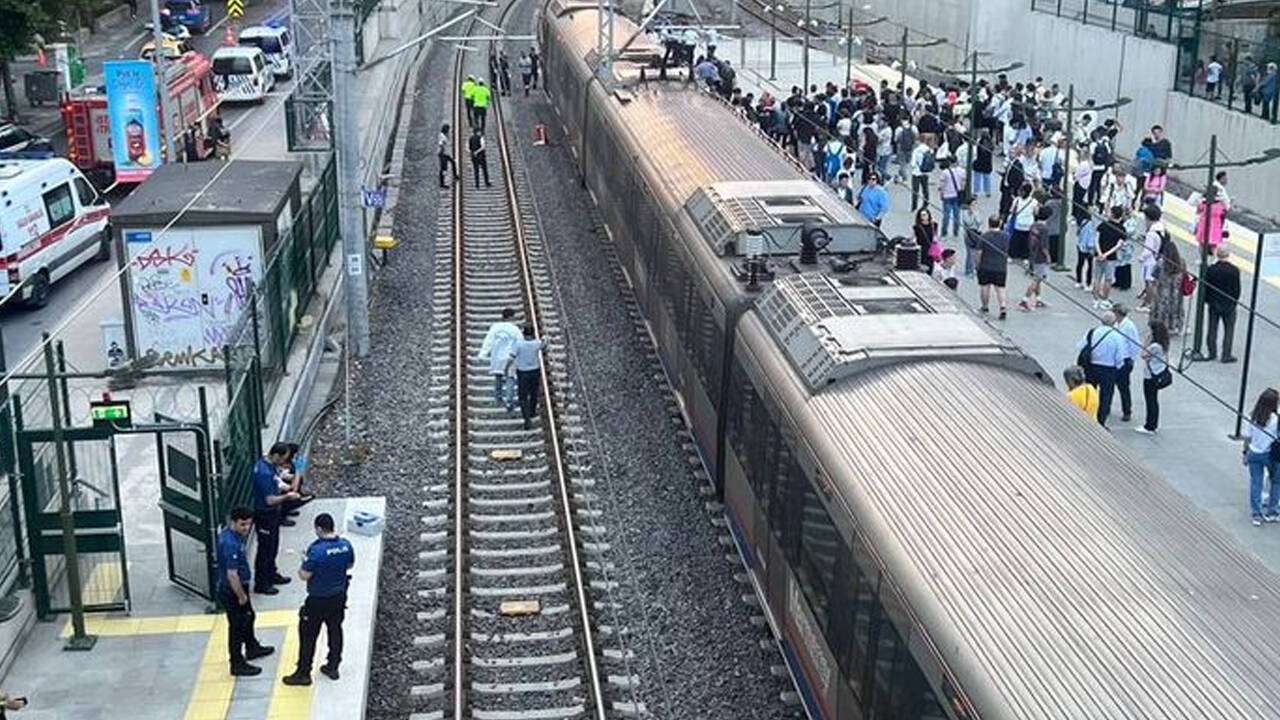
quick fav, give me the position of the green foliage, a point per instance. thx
(20, 22)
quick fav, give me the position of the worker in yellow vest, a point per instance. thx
(468, 97)
(480, 98)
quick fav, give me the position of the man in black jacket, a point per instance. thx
(1223, 280)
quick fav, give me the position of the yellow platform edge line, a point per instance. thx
(290, 703)
(211, 694)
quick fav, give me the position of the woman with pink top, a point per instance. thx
(1153, 188)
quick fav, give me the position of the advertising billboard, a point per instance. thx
(131, 112)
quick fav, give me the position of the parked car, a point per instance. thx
(174, 47)
(17, 142)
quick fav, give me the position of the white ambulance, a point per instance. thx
(52, 221)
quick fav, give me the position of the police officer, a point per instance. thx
(268, 494)
(233, 593)
(325, 571)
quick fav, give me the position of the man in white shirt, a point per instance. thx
(1213, 78)
(1150, 256)
(922, 164)
(1132, 349)
(444, 157)
(1118, 188)
(496, 348)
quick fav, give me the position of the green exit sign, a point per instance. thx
(110, 413)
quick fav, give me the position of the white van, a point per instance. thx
(276, 43)
(241, 74)
(52, 221)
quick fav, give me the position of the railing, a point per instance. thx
(1241, 71)
(1166, 20)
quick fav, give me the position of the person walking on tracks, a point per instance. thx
(526, 358)
(496, 348)
(444, 157)
(268, 496)
(479, 163)
(480, 98)
(469, 98)
(233, 593)
(324, 569)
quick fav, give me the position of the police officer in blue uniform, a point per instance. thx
(233, 593)
(325, 571)
(269, 494)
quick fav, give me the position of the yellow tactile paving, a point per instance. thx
(290, 703)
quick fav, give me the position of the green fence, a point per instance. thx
(258, 346)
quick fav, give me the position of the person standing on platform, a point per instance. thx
(526, 359)
(479, 163)
(1263, 429)
(1101, 354)
(324, 570)
(468, 98)
(1157, 375)
(480, 99)
(1222, 280)
(268, 496)
(1132, 349)
(233, 594)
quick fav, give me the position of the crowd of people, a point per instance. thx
(955, 141)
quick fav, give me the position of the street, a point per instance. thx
(20, 327)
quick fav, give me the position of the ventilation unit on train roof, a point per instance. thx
(727, 211)
(833, 328)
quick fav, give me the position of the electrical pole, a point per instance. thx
(773, 41)
(604, 43)
(1210, 197)
(973, 123)
(848, 51)
(167, 129)
(905, 33)
(1248, 333)
(807, 3)
(347, 145)
(1067, 203)
(79, 640)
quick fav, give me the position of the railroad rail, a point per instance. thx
(508, 633)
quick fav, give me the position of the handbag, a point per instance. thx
(1084, 358)
(1163, 379)
(935, 249)
(1187, 285)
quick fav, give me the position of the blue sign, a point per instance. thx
(373, 197)
(131, 113)
(138, 236)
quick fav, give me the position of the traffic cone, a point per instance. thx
(539, 133)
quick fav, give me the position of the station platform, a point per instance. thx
(164, 662)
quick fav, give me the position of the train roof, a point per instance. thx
(1055, 575)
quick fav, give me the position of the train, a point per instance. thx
(932, 530)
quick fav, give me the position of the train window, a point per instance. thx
(889, 652)
(820, 545)
(865, 616)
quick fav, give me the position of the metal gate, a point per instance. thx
(187, 503)
(95, 512)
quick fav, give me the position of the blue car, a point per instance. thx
(193, 14)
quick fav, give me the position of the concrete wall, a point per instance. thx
(1190, 121)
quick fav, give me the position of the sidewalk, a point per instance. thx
(1192, 451)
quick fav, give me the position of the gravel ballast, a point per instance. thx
(698, 653)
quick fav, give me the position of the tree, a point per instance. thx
(21, 22)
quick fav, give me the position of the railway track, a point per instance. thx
(514, 561)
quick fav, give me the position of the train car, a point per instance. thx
(933, 531)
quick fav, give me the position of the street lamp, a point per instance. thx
(773, 11)
(906, 32)
(849, 39)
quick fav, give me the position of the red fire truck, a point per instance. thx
(192, 98)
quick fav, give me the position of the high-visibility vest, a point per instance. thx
(480, 95)
(468, 89)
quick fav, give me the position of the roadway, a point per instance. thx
(20, 327)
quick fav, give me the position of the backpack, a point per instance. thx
(1085, 357)
(1101, 154)
(1144, 158)
(926, 162)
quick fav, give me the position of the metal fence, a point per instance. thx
(1240, 65)
(258, 348)
(1167, 20)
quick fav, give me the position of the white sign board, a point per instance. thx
(188, 289)
(1269, 263)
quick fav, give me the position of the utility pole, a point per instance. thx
(79, 640)
(903, 81)
(848, 50)
(807, 3)
(773, 40)
(1066, 204)
(973, 123)
(1248, 333)
(347, 145)
(1210, 197)
(604, 43)
(167, 124)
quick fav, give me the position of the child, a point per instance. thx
(945, 269)
(972, 232)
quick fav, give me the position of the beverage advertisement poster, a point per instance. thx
(131, 111)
